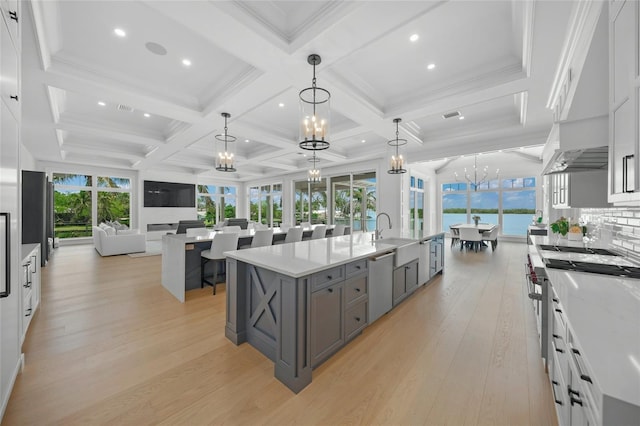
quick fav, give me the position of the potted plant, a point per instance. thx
(476, 219)
(560, 226)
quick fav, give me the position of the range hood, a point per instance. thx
(577, 146)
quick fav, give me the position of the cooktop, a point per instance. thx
(596, 268)
(566, 249)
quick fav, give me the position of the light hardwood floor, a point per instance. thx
(110, 346)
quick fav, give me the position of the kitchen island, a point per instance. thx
(300, 303)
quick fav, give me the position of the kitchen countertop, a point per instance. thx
(307, 257)
(604, 314)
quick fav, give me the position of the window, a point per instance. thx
(416, 207)
(354, 201)
(265, 204)
(507, 202)
(81, 201)
(216, 203)
(311, 201)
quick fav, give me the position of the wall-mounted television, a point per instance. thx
(169, 194)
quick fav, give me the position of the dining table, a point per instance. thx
(481, 227)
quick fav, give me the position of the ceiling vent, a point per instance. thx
(126, 108)
(451, 114)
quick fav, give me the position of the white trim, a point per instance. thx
(14, 376)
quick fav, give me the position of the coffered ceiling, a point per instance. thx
(95, 98)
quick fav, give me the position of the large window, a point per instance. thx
(265, 204)
(216, 203)
(506, 202)
(311, 201)
(354, 201)
(81, 201)
(416, 206)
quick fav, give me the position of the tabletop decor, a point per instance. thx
(476, 219)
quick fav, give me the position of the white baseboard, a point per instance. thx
(18, 369)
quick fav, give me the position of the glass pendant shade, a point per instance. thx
(314, 172)
(314, 113)
(225, 148)
(476, 178)
(396, 159)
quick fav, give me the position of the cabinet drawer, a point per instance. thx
(355, 320)
(324, 278)
(356, 267)
(356, 289)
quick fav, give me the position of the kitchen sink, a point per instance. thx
(406, 249)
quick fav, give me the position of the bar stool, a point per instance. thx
(320, 231)
(293, 235)
(220, 244)
(262, 237)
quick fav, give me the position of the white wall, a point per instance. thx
(26, 160)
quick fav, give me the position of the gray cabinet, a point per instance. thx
(327, 322)
(436, 258)
(405, 281)
(339, 308)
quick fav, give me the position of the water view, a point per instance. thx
(512, 224)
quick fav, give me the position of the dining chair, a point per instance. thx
(260, 226)
(320, 231)
(294, 235)
(232, 228)
(455, 235)
(338, 230)
(220, 244)
(262, 237)
(197, 232)
(470, 237)
(491, 236)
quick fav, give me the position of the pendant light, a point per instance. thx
(314, 113)
(225, 160)
(396, 161)
(314, 172)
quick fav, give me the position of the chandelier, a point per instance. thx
(396, 160)
(314, 112)
(476, 181)
(314, 172)
(225, 147)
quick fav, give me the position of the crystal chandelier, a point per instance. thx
(396, 165)
(225, 147)
(314, 113)
(314, 172)
(476, 181)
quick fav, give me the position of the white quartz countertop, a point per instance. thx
(307, 257)
(604, 314)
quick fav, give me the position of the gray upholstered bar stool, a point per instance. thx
(221, 243)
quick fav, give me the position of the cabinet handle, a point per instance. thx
(558, 310)
(560, 350)
(625, 173)
(553, 388)
(329, 277)
(574, 400)
(13, 15)
(578, 360)
(556, 336)
(555, 299)
(330, 290)
(28, 312)
(14, 97)
(357, 290)
(357, 319)
(357, 266)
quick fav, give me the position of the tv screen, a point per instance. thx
(169, 194)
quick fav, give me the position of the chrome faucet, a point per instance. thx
(378, 230)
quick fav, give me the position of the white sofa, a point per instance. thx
(122, 242)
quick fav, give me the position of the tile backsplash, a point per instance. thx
(615, 228)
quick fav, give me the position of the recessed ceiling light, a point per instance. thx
(101, 103)
(364, 140)
(522, 148)
(414, 37)
(461, 117)
(120, 32)
(281, 105)
(431, 66)
(147, 115)
(246, 140)
(186, 62)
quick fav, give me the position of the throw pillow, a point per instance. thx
(110, 231)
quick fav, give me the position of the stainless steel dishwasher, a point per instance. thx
(380, 285)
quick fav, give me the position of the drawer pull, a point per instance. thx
(578, 360)
(358, 267)
(13, 15)
(555, 336)
(558, 310)
(28, 312)
(329, 277)
(14, 97)
(357, 319)
(576, 401)
(560, 350)
(555, 398)
(357, 290)
(555, 299)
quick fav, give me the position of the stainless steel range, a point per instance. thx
(597, 261)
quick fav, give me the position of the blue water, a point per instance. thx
(512, 224)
